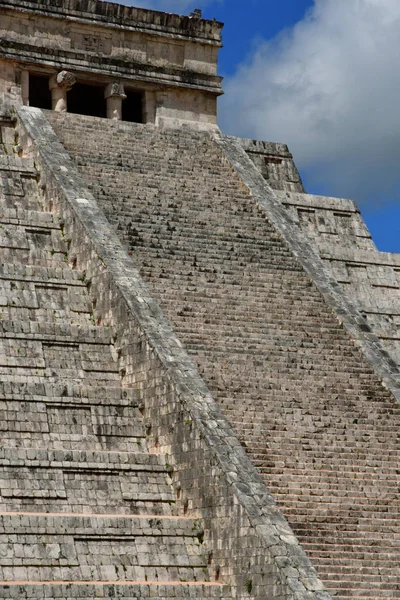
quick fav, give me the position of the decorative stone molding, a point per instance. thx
(59, 85)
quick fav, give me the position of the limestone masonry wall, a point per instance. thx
(9, 85)
(252, 304)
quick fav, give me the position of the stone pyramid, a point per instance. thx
(200, 381)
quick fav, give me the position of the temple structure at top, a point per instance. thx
(107, 60)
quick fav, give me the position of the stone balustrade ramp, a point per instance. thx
(303, 400)
(370, 277)
(86, 511)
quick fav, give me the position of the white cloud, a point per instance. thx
(171, 6)
(330, 88)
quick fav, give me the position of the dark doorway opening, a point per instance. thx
(132, 107)
(84, 99)
(39, 93)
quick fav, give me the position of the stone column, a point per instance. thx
(25, 87)
(59, 85)
(150, 107)
(114, 94)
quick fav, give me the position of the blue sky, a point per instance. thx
(323, 77)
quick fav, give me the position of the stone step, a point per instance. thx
(29, 219)
(312, 505)
(15, 164)
(55, 416)
(367, 594)
(357, 479)
(57, 350)
(381, 552)
(60, 424)
(85, 481)
(360, 563)
(371, 531)
(196, 291)
(339, 422)
(57, 332)
(57, 547)
(327, 495)
(263, 338)
(303, 448)
(378, 563)
(384, 424)
(69, 392)
(350, 589)
(94, 590)
(270, 347)
(283, 360)
(362, 575)
(349, 511)
(342, 518)
(314, 436)
(201, 251)
(61, 274)
(341, 581)
(364, 454)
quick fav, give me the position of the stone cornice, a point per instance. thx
(79, 61)
(112, 15)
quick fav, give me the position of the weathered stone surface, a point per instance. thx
(369, 277)
(275, 163)
(235, 276)
(86, 510)
(120, 476)
(244, 531)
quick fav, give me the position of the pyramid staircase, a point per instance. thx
(86, 510)
(305, 403)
